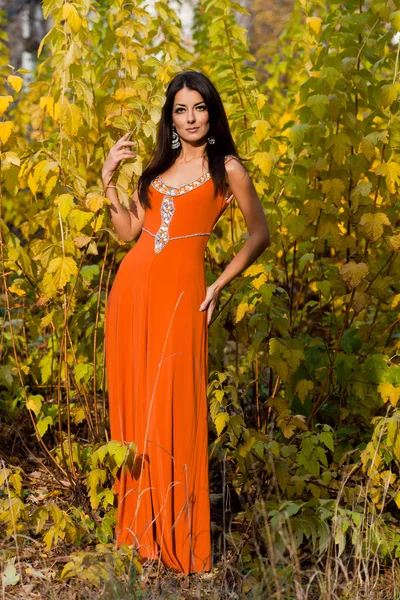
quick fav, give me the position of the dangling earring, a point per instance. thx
(211, 140)
(175, 139)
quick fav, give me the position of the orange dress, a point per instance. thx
(156, 344)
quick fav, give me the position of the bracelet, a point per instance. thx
(107, 186)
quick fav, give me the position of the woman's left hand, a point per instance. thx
(210, 301)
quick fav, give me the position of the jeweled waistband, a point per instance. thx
(162, 238)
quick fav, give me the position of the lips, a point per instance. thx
(192, 130)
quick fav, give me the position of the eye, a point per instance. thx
(178, 109)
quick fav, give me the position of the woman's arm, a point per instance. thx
(244, 191)
(127, 223)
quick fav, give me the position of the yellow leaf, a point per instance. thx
(353, 273)
(241, 311)
(221, 420)
(34, 403)
(389, 393)
(263, 160)
(261, 128)
(6, 128)
(79, 218)
(65, 203)
(47, 103)
(315, 24)
(261, 100)
(397, 499)
(15, 82)
(51, 182)
(391, 172)
(395, 301)
(124, 93)
(94, 202)
(4, 102)
(47, 319)
(63, 268)
(387, 478)
(394, 242)
(373, 225)
(15, 289)
(70, 13)
(71, 118)
(32, 183)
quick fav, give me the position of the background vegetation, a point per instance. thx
(304, 376)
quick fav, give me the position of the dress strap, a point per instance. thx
(229, 157)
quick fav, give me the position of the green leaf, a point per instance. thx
(389, 93)
(375, 368)
(297, 133)
(318, 103)
(327, 439)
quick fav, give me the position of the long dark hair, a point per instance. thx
(164, 156)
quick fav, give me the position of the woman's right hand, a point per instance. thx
(117, 153)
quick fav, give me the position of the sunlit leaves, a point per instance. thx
(65, 202)
(373, 224)
(389, 93)
(34, 403)
(389, 393)
(70, 13)
(6, 128)
(264, 161)
(94, 202)
(49, 5)
(370, 141)
(261, 128)
(15, 82)
(4, 102)
(221, 421)
(71, 118)
(62, 268)
(315, 24)
(391, 172)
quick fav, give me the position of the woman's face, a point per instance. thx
(190, 111)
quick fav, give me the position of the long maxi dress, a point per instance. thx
(156, 344)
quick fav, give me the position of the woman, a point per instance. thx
(157, 318)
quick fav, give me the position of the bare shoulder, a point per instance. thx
(234, 167)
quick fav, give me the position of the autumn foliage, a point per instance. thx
(304, 380)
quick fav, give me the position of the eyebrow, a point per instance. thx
(180, 104)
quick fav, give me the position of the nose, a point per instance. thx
(191, 116)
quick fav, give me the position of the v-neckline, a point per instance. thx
(159, 184)
(178, 187)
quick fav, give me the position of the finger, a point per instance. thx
(126, 155)
(127, 143)
(125, 151)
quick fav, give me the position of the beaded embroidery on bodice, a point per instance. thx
(162, 237)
